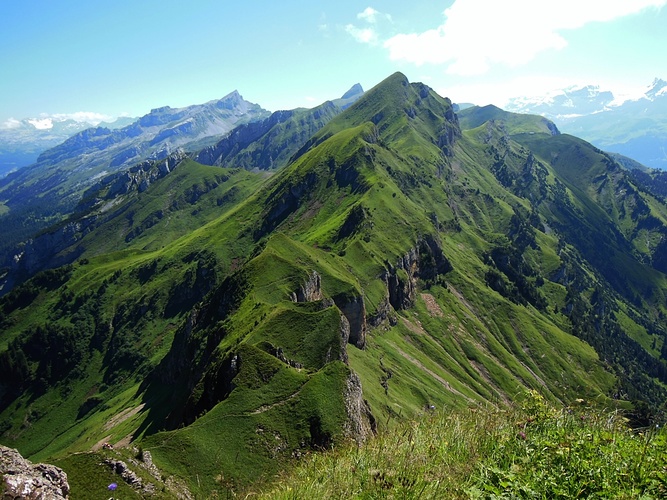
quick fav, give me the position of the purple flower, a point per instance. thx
(521, 435)
(112, 486)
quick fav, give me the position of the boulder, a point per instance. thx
(21, 479)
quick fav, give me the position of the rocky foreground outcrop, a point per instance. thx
(25, 480)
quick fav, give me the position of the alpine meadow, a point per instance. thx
(384, 296)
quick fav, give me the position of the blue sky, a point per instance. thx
(108, 58)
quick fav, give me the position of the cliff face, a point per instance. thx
(21, 479)
(354, 311)
(360, 424)
(426, 261)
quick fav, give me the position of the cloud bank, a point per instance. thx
(476, 34)
(45, 121)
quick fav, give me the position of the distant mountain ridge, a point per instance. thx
(634, 127)
(268, 144)
(21, 142)
(65, 171)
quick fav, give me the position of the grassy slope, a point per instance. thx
(524, 451)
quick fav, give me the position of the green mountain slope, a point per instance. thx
(120, 213)
(40, 195)
(406, 257)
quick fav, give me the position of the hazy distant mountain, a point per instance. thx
(41, 194)
(22, 141)
(268, 144)
(635, 127)
(564, 104)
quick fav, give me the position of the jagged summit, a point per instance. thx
(355, 90)
(657, 88)
(395, 106)
(349, 97)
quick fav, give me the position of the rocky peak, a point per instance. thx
(361, 423)
(355, 90)
(232, 101)
(21, 479)
(657, 88)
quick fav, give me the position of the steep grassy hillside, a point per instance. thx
(529, 450)
(270, 143)
(120, 212)
(404, 258)
(45, 193)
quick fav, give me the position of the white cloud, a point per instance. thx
(41, 123)
(45, 121)
(83, 116)
(368, 34)
(11, 123)
(369, 14)
(499, 92)
(363, 35)
(477, 33)
(323, 25)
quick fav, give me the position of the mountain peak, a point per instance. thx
(355, 90)
(232, 96)
(397, 78)
(658, 87)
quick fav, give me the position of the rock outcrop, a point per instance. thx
(310, 291)
(425, 260)
(21, 479)
(129, 476)
(354, 310)
(360, 424)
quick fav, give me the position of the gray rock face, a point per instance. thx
(360, 424)
(21, 479)
(354, 310)
(129, 476)
(425, 260)
(310, 291)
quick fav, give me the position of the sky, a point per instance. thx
(100, 59)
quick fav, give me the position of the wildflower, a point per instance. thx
(521, 435)
(112, 486)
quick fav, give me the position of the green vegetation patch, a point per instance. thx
(530, 450)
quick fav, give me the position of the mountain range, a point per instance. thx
(634, 127)
(38, 195)
(75, 168)
(313, 276)
(22, 141)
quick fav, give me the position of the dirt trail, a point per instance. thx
(264, 408)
